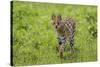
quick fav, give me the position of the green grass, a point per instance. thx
(34, 38)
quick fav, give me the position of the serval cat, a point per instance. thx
(65, 32)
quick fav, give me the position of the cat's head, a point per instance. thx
(56, 20)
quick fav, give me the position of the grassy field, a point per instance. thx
(34, 38)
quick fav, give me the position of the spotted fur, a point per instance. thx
(65, 32)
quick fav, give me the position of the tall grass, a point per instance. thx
(34, 38)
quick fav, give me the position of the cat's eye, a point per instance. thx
(53, 23)
(58, 23)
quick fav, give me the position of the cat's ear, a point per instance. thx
(53, 16)
(59, 17)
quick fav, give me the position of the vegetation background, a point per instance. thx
(34, 39)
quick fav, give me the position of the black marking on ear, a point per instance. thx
(59, 17)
